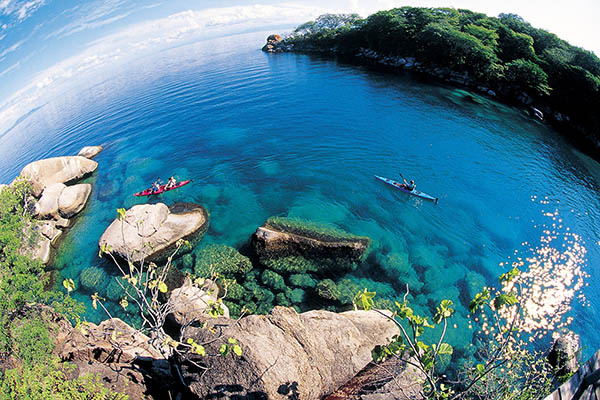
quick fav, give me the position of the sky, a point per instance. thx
(46, 42)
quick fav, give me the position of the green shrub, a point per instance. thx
(296, 296)
(282, 300)
(236, 292)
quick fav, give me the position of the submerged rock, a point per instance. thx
(90, 151)
(295, 247)
(150, 231)
(43, 173)
(286, 354)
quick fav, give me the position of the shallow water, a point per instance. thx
(293, 135)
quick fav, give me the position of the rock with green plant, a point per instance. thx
(291, 246)
(273, 280)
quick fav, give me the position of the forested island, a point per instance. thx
(502, 56)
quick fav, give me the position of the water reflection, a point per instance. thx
(552, 275)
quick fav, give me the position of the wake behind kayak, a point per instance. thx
(161, 189)
(413, 192)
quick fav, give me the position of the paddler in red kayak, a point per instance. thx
(156, 185)
(171, 183)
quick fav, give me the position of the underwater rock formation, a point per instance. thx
(288, 355)
(292, 246)
(220, 259)
(149, 231)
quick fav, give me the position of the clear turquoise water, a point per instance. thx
(292, 135)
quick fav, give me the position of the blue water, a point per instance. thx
(293, 135)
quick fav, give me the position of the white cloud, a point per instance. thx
(7, 70)
(19, 9)
(12, 48)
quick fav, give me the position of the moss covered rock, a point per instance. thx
(303, 281)
(296, 296)
(291, 246)
(328, 290)
(273, 280)
(236, 292)
(93, 279)
(282, 300)
(220, 259)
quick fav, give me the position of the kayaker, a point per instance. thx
(172, 182)
(156, 185)
(409, 185)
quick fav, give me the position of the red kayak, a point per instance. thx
(161, 189)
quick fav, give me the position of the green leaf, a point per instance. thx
(69, 285)
(480, 299)
(237, 350)
(445, 348)
(120, 213)
(509, 276)
(505, 299)
(364, 300)
(162, 287)
(224, 349)
(480, 368)
(232, 341)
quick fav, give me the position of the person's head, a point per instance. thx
(171, 178)
(412, 182)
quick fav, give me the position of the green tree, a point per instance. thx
(514, 45)
(527, 75)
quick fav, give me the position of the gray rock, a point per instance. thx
(150, 231)
(47, 206)
(49, 230)
(90, 151)
(190, 303)
(73, 199)
(305, 356)
(43, 173)
(565, 354)
(63, 222)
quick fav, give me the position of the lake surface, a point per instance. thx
(292, 135)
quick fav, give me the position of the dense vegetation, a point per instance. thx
(28, 369)
(504, 53)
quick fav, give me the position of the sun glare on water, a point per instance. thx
(552, 276)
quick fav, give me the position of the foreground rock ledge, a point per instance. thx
(149, 231)
(286, 354)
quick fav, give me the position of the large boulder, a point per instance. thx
(47, 205)
(73, 199)
(286, 354)
(43, 173)
(90, 151)
(291, 246)
(150, 231)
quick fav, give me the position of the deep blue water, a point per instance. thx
(294, 135)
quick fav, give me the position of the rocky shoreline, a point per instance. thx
(56, 197)
(542, 112)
